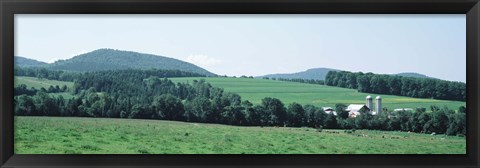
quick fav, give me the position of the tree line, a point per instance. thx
(440, 120)
(23, 90)
(398, 85)
(309, 81)
(69, 76)
(134, 94)
(232, 111)
(44, 73)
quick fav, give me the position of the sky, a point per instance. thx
(253, 45)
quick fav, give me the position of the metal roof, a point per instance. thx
(355, 107)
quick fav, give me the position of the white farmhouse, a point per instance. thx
(354, 109)
(329, 110)
(403, 109)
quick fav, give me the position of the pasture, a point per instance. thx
(57, 135)
(39, 83)
(255, 90)
(45, 83)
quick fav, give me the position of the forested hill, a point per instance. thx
(110, 59)
(412, 74)
(26, 62)
(314, 73)
(321, 73)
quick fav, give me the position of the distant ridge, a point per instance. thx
(412, 74)
(321, 73)
(111, 59)
(27, 62)
(314, 73)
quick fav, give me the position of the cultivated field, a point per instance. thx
(255, 90)
(45, 83)
(56, 135)
(39, 83)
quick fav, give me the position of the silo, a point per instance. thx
(369, 102)
(378, 104)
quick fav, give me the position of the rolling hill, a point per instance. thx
(254, 90)
(39, 83)
(45, 83)
(321, 73)
(110, 59)
(314, 73)
(27, 62)
(412, 74)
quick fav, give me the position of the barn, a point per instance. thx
(354, 109)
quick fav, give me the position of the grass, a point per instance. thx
(45, 83)
(255, 90)
(39, 83)
(56, 135)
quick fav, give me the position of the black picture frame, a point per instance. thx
(9, 8)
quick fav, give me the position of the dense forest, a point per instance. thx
(398, 85)
(23, 90)
(43, 73)
(148, 94)
(110, 59)
(26, 62)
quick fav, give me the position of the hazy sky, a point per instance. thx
(434, 45)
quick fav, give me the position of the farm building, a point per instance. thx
(354, 109)
(378, 105)
(329, 110)
(403, 109)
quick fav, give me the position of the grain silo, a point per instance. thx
(378, 104)
(369, 102)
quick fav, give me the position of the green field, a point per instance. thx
(39, 83)
(45, 83)
(56, 135)
(255, 90)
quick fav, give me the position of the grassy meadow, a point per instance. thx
(73, 135)
(39, 83)
(57, 135)
(45, 83)
(255, 90)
